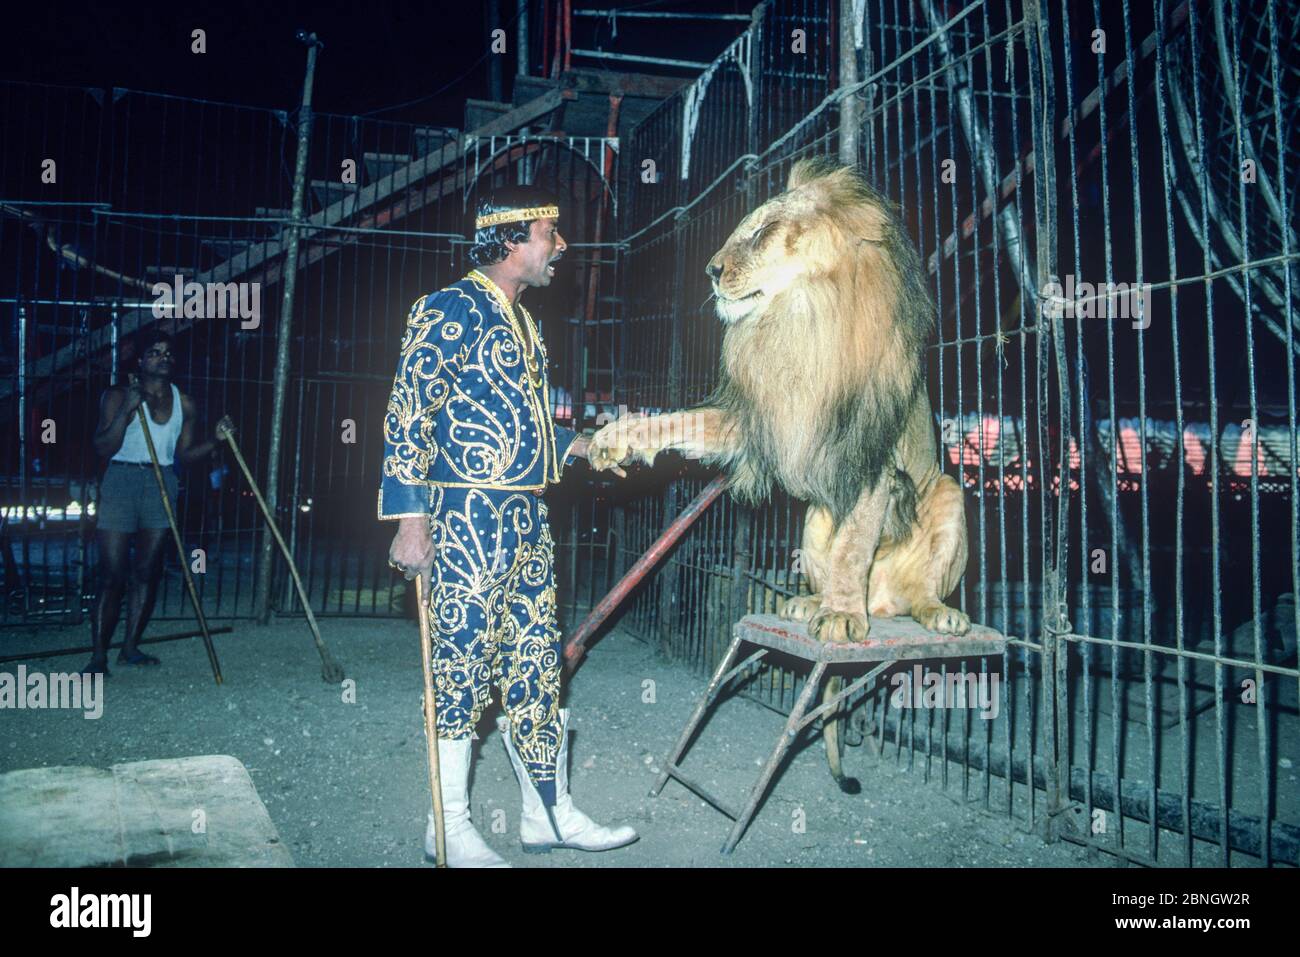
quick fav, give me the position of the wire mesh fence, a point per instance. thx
(1107, 221)
(144, 191)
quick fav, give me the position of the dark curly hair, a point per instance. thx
(146, 339)
(490, 244)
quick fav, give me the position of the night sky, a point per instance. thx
(377, 54)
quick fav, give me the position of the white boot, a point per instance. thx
(576, 830)
(465, 847)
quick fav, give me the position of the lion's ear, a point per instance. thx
(811, 168)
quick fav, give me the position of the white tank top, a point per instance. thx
(164, 436)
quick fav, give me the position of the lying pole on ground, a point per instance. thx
(32, 655)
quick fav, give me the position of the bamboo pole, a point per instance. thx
(431, 724)
(330, 670)
(141, 411)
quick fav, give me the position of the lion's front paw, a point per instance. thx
(839, 626)
(606, 449)
(614, 443)
(801, 607)
(945, 620)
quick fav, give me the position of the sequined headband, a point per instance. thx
(517, 216)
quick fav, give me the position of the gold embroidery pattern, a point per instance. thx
(517, 216)
(541, 382)
(527, 335)
(492, 606)
(419, 392)
(487, 414)
(469, 406)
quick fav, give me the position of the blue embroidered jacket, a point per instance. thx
(470, 405)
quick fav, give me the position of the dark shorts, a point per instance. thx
(129, 499)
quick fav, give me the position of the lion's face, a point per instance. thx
(808, 232)
(821, 277)
(774, 247)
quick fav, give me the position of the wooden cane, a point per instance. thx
(330, 670)
(176, 534)
(431, 724)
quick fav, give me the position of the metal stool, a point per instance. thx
(891, 640)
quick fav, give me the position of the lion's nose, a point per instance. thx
(714, 269)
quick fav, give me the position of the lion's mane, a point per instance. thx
(819, 383)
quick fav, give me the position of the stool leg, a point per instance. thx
(732, 652)
(787, 738)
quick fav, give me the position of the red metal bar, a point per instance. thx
(568, 33)
(575, 648)
(559, 35)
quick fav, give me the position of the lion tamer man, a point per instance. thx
(469, 448)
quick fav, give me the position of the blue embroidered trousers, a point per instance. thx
(493, 620)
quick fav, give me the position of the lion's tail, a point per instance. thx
(831, 735)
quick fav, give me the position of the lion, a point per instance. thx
(822, 390)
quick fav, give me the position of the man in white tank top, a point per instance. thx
(129, 504)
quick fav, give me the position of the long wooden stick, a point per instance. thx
(330, 670)
(176, 534)
(431, 724)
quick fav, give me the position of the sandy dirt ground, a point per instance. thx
(346, 783)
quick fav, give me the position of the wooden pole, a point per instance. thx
(34, 655)
(141, 410)
(431, 724)
(330, 670)
(284, 335)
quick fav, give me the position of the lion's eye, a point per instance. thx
(761, 231)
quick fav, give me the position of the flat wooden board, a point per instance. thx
(200, 811)
(890, 639)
